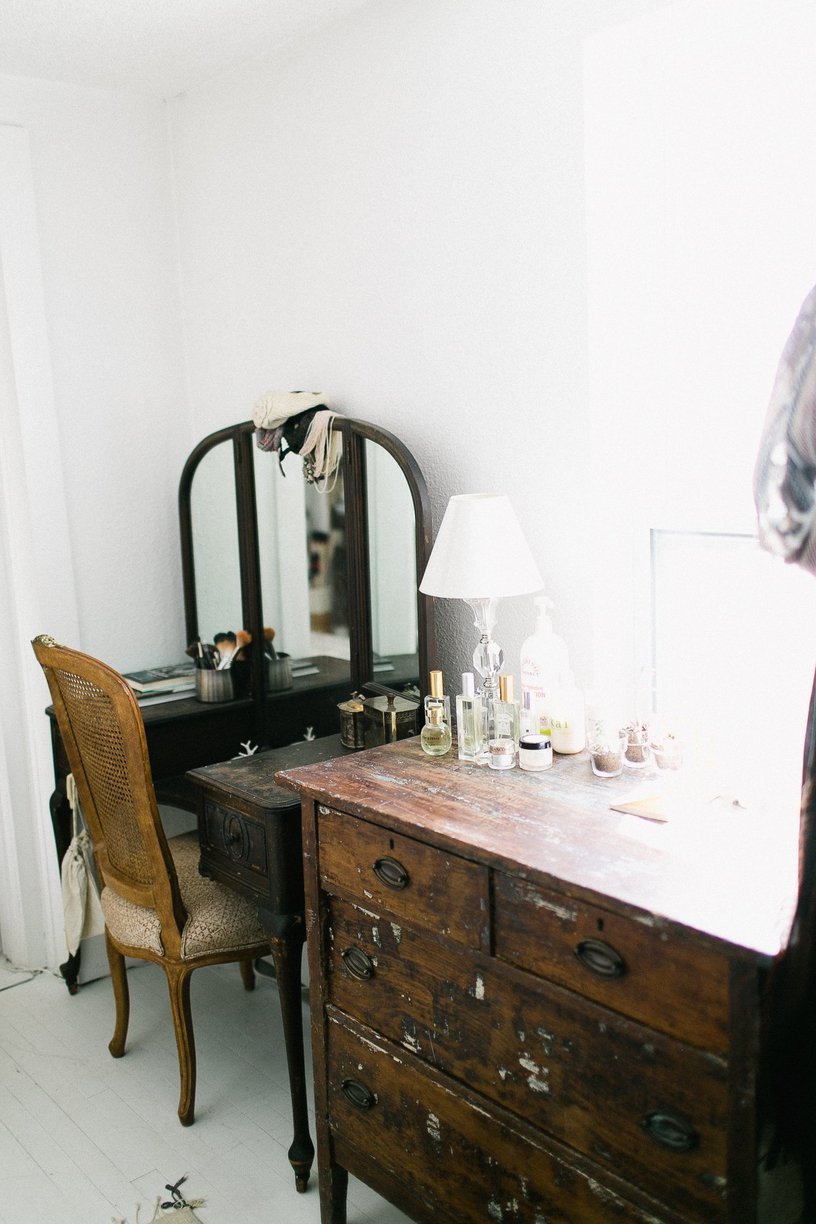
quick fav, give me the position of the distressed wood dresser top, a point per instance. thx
(723, 870)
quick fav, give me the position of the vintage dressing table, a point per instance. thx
(527, 1007)
(259, 548)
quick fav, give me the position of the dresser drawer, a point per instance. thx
(463, 1163)
(645, 1106)
(410, 881)
(645, 971)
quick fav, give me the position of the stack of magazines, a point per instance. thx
(175, 679)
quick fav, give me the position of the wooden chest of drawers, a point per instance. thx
(529, 1008)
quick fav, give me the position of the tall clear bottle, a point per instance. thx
(435, 737)
(503, 726)
(470, 721)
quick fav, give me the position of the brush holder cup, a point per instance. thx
(213, 685)
(278, 673)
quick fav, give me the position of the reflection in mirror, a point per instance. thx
(392, 556)
(301, 544)
(215, 543)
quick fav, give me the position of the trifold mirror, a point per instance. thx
(332, 568)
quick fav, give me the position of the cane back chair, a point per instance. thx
(156, 905)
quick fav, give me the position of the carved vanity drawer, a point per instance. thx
(258, 854)
(542, 1052)
(406, 878)
(461, 1164)
(235, 841)
(637, 968)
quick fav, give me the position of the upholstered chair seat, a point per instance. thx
(218, 919)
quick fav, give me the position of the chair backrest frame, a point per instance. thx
(104, 737)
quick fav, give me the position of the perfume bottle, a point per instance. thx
(503, 724)
(469, 721)
(435, 737)
(529, 723)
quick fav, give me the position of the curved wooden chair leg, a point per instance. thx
(121, 997)
(178, 981)
(248, 973)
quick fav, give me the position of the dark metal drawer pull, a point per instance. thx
(602, 959)
(358, 964)
(358, 1094)
(672, 1132)
(391, 873)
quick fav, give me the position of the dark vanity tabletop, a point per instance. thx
(723, 869)
(330, 672)
(252, 778)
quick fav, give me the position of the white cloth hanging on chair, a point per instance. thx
(80, 894)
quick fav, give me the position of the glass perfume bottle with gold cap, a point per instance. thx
(503, 726)
(435, 737)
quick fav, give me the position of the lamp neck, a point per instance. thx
(488, 655)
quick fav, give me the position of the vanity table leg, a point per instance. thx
(287, 936)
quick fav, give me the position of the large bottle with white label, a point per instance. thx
(544, 663)
(568, 716)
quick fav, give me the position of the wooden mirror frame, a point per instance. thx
(358, 568)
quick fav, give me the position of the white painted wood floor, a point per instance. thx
(86, 1138)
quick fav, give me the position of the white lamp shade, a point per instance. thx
(480, 551)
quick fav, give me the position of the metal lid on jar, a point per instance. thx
(530, 741)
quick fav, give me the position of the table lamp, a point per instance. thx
(479, 556)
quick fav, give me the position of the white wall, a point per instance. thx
(700, 182)
(92, 405)
(107, 242)
(391, 211)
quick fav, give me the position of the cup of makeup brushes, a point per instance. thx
(278, 672)
(214, 684)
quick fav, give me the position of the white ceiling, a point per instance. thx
(157, 47)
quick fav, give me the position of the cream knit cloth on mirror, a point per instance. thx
(321, 448)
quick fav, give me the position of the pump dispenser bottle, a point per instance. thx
(435, 737)
(544, 661)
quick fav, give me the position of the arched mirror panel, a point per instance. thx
(392, 562)
(213, 511)
(301, 557)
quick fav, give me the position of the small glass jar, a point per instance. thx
(667, 751)
(607, 756)
(535, 752)
(638, 753)
(501, 753)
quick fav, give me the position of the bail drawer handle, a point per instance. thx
(600, 958)
(671, 1131)
(391, 872)
(357, 963)
(358, 1094)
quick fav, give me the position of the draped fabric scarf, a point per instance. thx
(785, 499)
(301, 421)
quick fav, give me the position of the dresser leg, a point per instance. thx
(333, 1192)
(287, 950)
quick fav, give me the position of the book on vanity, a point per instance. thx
(172, 678)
